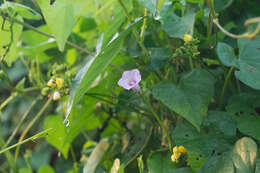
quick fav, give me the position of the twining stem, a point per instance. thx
(49, 35)
(150, 107)
(20, 123)
(26, 140)
(225, 86)
(228, 33)
(38, 115)
(134, 29)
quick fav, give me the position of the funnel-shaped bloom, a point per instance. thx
(130, 80)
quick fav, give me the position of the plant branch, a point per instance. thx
(225, 86)
(49, 35)
(150, 107)
(134, 29)
(38, 115)
(39, 135)
(10, 98)
(5, 74)
(20, 123)
(228, 33)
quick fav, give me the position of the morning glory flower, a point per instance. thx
(130, 80)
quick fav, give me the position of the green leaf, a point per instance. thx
(244, 103)
(58, 133)
(200, 146)
(149, 4)
(158, 163)
(5, 35)
(80, 7)
(24, 11)
(219, 164)
(195, 1)
(25, 170)
(257, 169)
(220, 123)
(249, 62)
(60, 19)
(249, 75)
(249, 125)
(87, 75)
(190, 98)
(174, 25)
(46, 169)
(222, 5)
(113, 27)
(159, 58)
(245, 155)
(226, 55)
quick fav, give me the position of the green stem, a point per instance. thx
(10, 98)
(8, 155)
(238, 86)
(39, 114)
(144, 25)
(5, 74)
(191, 63)
(49, 35)
(134, 29)
(225, 86)
(20, 123)
(39, 135)
(147, 103)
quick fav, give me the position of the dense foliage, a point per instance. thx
(145, 86)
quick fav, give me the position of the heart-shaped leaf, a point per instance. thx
(60, 19)
(226, 55)
(191, 98)
(249, 62)
(174, 25)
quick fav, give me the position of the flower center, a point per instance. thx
(132, 83)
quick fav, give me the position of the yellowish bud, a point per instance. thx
(56, 96)
(175, 149)
(187, 38)
(51, 83)
(182, 149)
(59, 82)
(173, 158)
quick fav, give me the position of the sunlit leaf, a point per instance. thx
(60, 19)
(87, 75)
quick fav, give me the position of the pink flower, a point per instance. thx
(130, 80)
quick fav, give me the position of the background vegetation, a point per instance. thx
(197, 109)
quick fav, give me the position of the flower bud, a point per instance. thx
(51, 83)
(59, 82)
(187, 38)
(175, 149)
(182, 149)
(56, 96)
